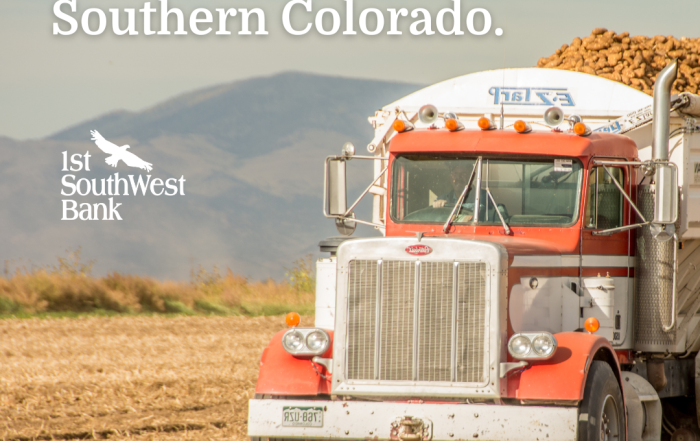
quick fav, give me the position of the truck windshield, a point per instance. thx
(526, 192)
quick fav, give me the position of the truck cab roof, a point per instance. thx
(508, 142)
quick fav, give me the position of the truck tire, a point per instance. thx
(602, 411)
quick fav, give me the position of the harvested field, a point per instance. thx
(130, 377)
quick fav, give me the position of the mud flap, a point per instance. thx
(643, 408)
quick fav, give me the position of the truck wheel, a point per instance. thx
(602, 412)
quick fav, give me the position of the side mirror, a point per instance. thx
(666, 201)
(336, 187)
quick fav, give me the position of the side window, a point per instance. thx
(604, 202)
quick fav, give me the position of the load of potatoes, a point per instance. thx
(634, 61)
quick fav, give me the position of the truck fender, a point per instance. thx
(283, 374)
(563, 377)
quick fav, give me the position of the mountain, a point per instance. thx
(251, 118)
(251, 153)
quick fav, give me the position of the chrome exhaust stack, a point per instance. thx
(662, 118)
(655, 265)
(666, 177)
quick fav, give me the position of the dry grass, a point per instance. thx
(69, 286)
(130, 377)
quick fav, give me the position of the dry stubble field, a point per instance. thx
(130, 377)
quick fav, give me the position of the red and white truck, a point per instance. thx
(537, 278)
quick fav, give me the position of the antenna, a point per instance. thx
(501, 116)
(503, 82)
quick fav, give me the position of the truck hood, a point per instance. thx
(514, 245)
(521, 246)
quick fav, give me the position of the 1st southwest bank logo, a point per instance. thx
(114, 185)
(119, 153)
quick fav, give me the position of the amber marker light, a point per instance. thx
(591, 324)
(453, 125)
(485, 124)
(521, 126)
(582, 129)
(292, 319)
(402, 126)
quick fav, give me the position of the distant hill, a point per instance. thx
(251, 151)
(250, 117)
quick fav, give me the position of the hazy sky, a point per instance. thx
(50, 82)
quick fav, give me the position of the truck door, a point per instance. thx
(608, 254)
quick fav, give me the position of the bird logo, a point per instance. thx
(119, 153)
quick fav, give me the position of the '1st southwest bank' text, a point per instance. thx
(114, 185)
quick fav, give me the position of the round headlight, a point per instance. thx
(519, 346)
(293, 341)
(543, 345)
(317, 341)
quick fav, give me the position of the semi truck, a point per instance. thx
(536, 275)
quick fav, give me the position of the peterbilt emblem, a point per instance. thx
(419, 250)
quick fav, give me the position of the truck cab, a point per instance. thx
(503, 299)
(543, 198)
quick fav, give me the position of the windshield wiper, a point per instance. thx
(495, 206)
(458, 206)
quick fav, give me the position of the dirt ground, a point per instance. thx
(142, 378)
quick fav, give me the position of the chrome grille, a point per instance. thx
(398, 306)
(431, 317)
(362, 307)
(471, 309)
(435, 329)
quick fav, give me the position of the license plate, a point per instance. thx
(302, 416)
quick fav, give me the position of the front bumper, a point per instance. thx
(449, 422)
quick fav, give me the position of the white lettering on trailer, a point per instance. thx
(628, 122)
(532, 96)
